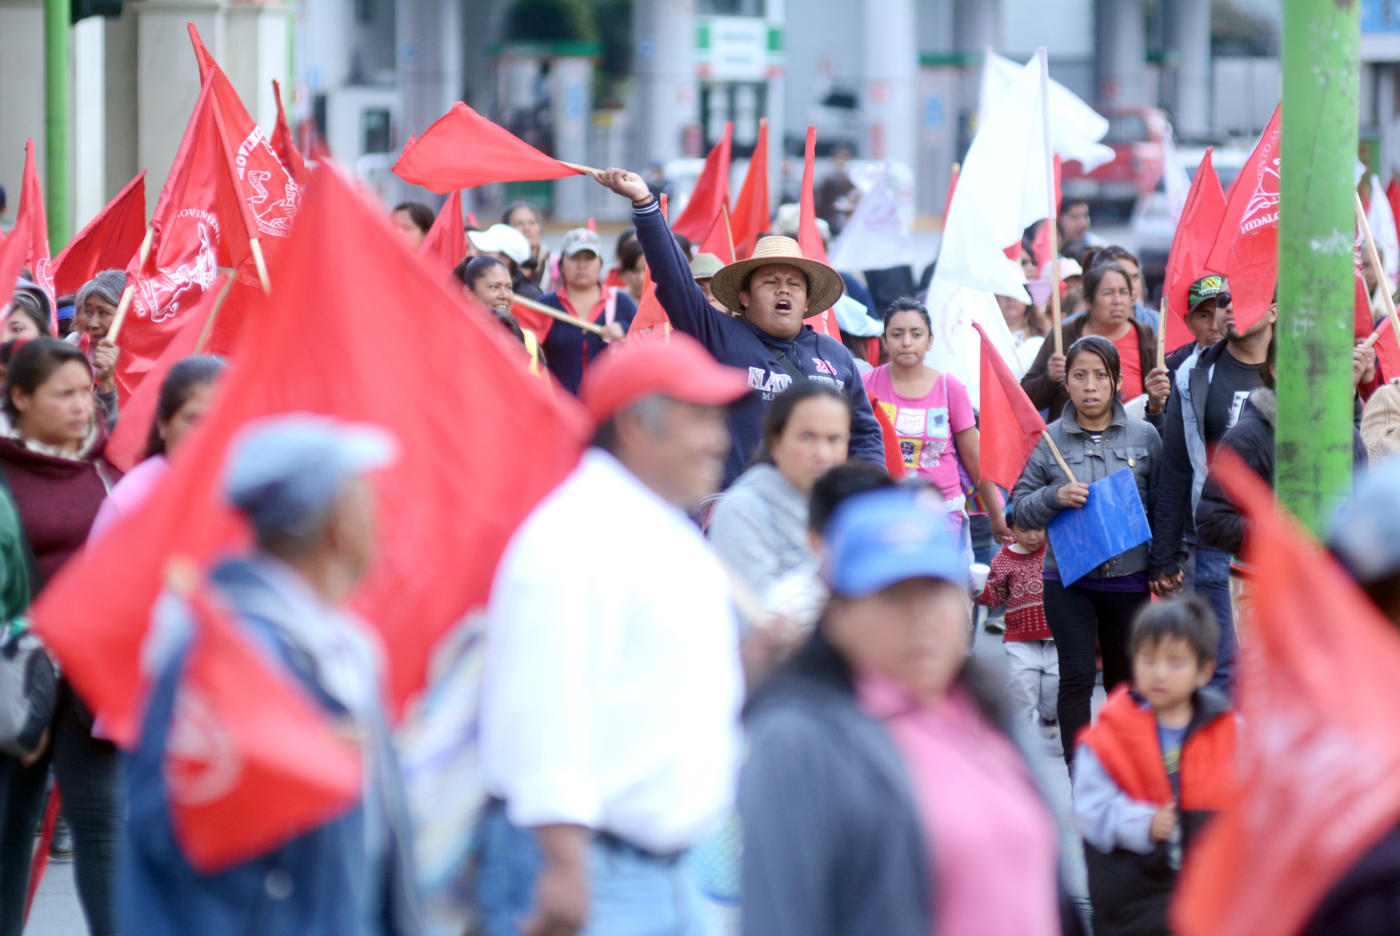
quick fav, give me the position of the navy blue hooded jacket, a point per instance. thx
(738, 343)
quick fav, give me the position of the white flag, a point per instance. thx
(1382, 223)
(1003, 188)
(875, 237)
(956, 349)
(1075, 127)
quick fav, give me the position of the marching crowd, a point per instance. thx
(831, 759)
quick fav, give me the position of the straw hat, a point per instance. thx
(824, 285)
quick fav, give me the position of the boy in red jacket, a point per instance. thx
(1160, 761)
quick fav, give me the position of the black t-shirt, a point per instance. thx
(1230, 386)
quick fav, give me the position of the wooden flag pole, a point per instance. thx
(733, 254)
(124, 304)
(580, 167)
(261, 264)
(559, 316)
(208, 328)
(1052, 219)
(1162, 336)
(1059, 459)
(1386, 299)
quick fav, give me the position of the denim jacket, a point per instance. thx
(1127, 443)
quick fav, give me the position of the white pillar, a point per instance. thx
(120, 150)
(664, 61)
(572, 78)
(167, 81)
(1188, 37)
(776, 11)
(891, 81)
(88, 140)
(429, 62)
(1121, 34)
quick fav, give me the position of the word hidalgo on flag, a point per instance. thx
(463, 149)
(251, 761)
(1320, 757)
(1246, 249)
(711, 190)
(1008, 422)
(1191, 246)
(313, 346)
(108, 242)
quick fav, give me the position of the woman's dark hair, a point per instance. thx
(839, 483)
(628, 234)
(779, 413)
(1266, 370)
(1102, 348)
(469, 271)
(1095, 276)
(420, 214)
(1187, 618)
(907, 304)
(184, 378)
(35, 363)
(25, 303)
(515, 206)
(1110, 254)
(629, 253)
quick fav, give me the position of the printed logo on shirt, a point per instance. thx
(771, 383)
(910, 449)
(933, 452)
(938, 422)
(823, 367)
(1236, 406)
(910, 422)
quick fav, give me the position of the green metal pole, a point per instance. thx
(56, 29)
(1321, 68)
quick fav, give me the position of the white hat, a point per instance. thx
(501, 239)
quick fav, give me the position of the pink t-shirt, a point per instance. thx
(926, 426)
(990, 839)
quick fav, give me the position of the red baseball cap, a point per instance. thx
(676, 366)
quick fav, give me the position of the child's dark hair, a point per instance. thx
(1186, 618)
(839, 483)
(907, 304)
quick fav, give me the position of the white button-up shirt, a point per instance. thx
(613, 682)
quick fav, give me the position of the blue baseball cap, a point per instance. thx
(1365, 533)
(285, 470)
(881, 538)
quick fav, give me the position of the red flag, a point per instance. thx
(1246, 250)
(952, 187)
(446, 242)
(809, 238)
(108, 242)
(894, 455)
(186, 240)
(719, 240)
(1392, 195)
(1387, 350)
(710, 192)
(284, 143)
(251, 761)
(650, 317)
(31, 206)
(1191, 246)
(268, 197)
(12, 254)
(1320, 759)
(1363, 319)
(463, 149)
(314, 346)
(127, 444)
(751, 216)
(1009, 423)
(1040, 247)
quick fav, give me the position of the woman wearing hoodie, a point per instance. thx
(759, 526)
(51, 457)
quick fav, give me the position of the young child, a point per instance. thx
(1159, 762)
(1033, 662)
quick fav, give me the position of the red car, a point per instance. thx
(1135, 135)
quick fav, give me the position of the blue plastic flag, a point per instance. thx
(1111, 522)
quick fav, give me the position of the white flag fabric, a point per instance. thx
(1174, 176)
(1382, 223)
(1003, 189)
(875, 237)
(955, 349)
(1075, 127)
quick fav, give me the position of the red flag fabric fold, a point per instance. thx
(252, 762)
(108, 242)
(1246, 250)
(13, 252)
(809, 238)
(1191, 247)
(1320, 759)
(651, 317)
(31, 206)
(1387, 350)
(446, 242)
(1040, 247)
(463, 149)
(718, 240)
(894, 455)
(1008, 422)
(317, 345)
(752, 216)
(711, 190)
(284, 142)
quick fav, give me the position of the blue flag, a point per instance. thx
(1111, 522)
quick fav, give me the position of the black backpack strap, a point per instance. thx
(791, 369)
